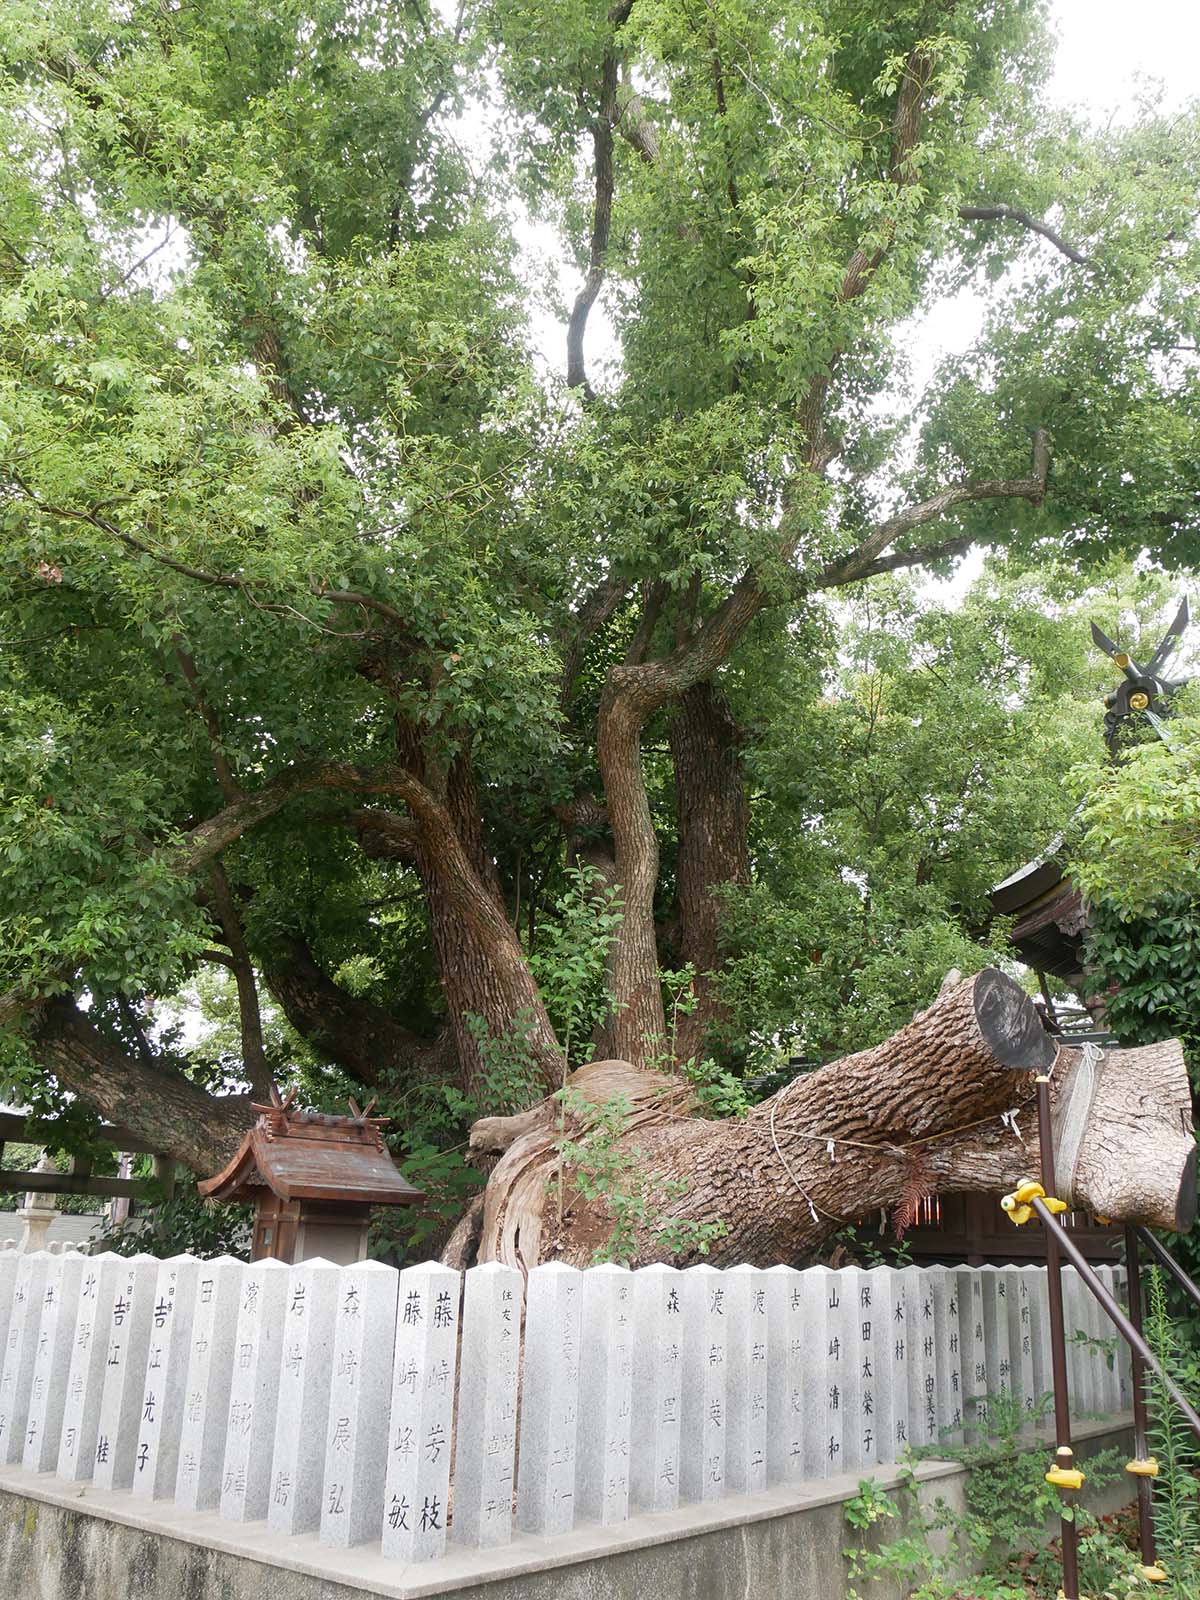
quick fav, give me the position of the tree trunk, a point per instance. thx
(946, 1104)
(362, 1038)
(589, 844)
(483, 969)
(178, 1117)
(713, 813)
(638, 1025)
(254, 1055)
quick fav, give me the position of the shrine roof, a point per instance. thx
(310, 1155)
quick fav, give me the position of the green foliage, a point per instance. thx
(180, 1224)
(944, 748)
(269, 403)
(1177, 1488)
(603, 1169)
(996, 1547)
(719, 1093)
(1141, 826)
(569, 964)
(1000, 1537)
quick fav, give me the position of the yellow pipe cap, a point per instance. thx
(1065, 1477)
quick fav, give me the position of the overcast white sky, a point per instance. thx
(1103, 61)
(1105, 43)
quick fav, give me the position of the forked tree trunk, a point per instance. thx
(638, 1022)
(945, 1104)
(483, 969)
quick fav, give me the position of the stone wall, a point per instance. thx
(427, 1412)
(55, 1545)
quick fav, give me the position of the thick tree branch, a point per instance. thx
(362, 1038)
(906, 134)
(597, 609)
(156, 1102)
(1007, 213)
(384, 835)
(205, 842)
(860, 562)
(602, 166)
(919, 556)
(254, 1055)
(634, 126)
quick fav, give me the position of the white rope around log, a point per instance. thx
(1071, 1116)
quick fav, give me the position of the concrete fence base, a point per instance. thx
(63, 1542)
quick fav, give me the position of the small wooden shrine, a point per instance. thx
(312, 1179)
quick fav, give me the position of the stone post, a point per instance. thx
(746, 1382)
(156, 1465)
(998, 1352)
(487, 1407)
(254, 1392)
(1124, 1365)
(1020, 1337)
(929, 1357)
(792, 1339)
(1081, 1373)
(885, 1360)
(657, 1397)
(947, 1342)
(125, 1373)
(1108, 1357)
(605, 1395)
(1036, 1299)
(21, 1352)
(85, 1380)
(52, 1363)
(9, 1259)
(974, 1354)
(356, 1436)
(209, 1377)
(704, 1427)
(302, 1413)
(421, 1434)
(550, 1400)
(857, 1398)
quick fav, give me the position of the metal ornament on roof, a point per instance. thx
(1145, 691)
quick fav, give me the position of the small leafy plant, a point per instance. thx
(605, 1170)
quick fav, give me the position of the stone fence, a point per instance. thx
(403, 1409)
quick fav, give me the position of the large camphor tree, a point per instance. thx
(333, 625)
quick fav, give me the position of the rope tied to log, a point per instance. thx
(898, 1152)
(1072, 1114)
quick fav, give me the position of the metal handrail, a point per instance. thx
(1165, 1259)
(1115, 1315)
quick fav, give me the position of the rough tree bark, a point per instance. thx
(945, 1104)
(362, 1038)
(713, 850)
(483, 968)
(159, 1103)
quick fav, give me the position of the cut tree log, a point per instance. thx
(946, 1104)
